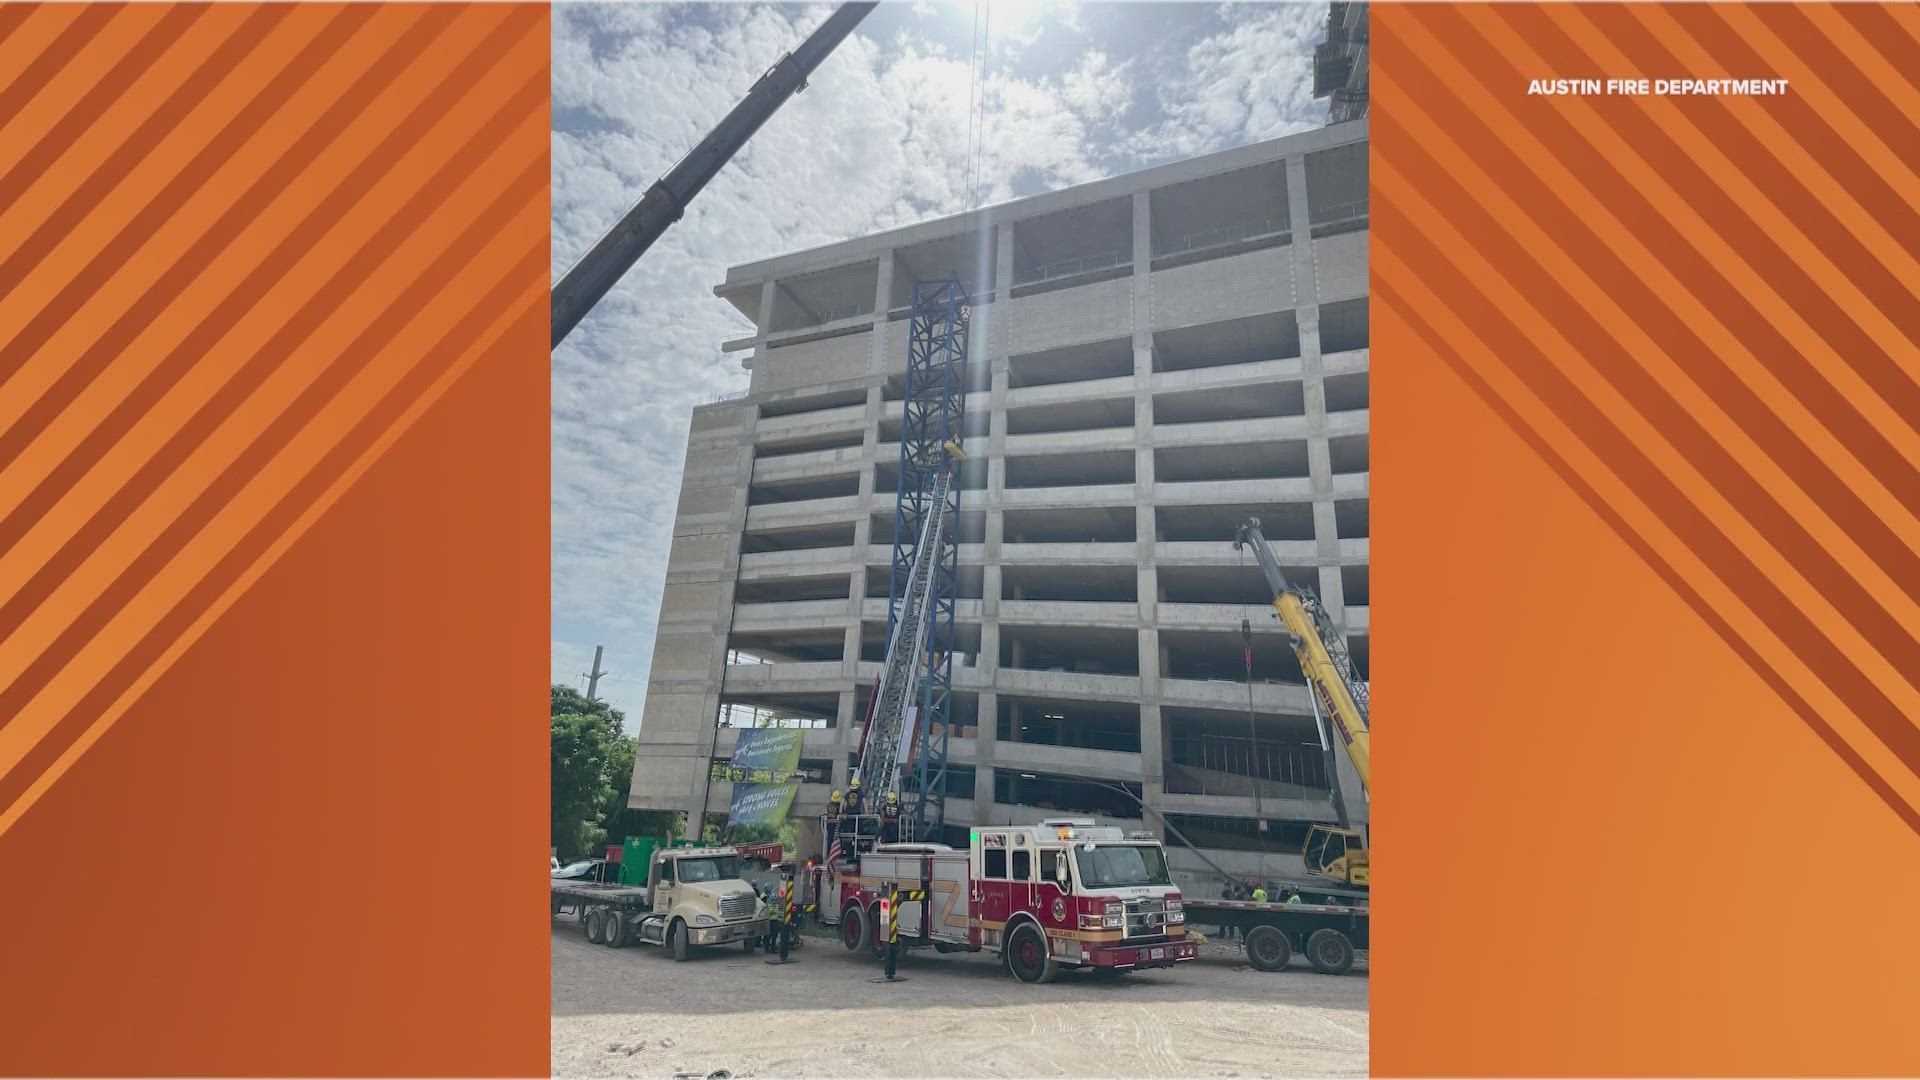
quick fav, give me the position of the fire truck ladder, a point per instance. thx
(916, 681)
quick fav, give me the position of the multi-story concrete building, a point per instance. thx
(1154, 358)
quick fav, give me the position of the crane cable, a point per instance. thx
(976, 97)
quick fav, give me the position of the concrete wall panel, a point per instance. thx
(811, 363)
(693, 600)
(1340, 265)
(1051, 320)
(677, 655)
(702, 552)
(1254, 283)
(713, 500)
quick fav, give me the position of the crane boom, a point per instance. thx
(1322, 653)
(615, 253)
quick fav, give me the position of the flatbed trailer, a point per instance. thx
(1326, 934)
(677, 909)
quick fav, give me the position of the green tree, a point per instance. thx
(580, 745)
(592, 775)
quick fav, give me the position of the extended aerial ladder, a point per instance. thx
(1337, 694)
(903, 747)
(887, 748)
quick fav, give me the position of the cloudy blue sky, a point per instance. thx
(1062, 94)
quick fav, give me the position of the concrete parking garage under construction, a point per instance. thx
(1155, 358)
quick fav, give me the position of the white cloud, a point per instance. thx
(880, 139)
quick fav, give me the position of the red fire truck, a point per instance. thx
(1061, 894)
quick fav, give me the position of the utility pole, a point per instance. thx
(593, 679)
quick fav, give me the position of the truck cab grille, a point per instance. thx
(1146, 918)
(738, 906)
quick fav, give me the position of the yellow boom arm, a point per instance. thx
(1325, 676)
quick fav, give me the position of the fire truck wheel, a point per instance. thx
(1330, 952)
(677, 940)
(1027, 955)
(1268, 948)
(877, 943)
(596, 930)
(855, 927)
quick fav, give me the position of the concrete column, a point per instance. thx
(986, 734)
(1325, 532)
(700, 797)
(846, 738)
(1313, 386)
(880, 360)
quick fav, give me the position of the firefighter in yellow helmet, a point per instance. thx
(853, 796)
(833, 804)
(890, 818)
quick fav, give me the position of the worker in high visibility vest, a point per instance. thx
(1293, 896)
(1259, 894)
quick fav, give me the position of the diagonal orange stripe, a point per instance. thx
(11, 16)
(1857, 218)
(244, 491)
(1572, 251)
(1802, 359)
(1847, 86)
(1759, 240)
(145, 572)
(269, 229)
(74, 26)
(52, 564)
(107, 88)
(526, 319)
(1902, 92)
(1518, 351)
(33, 251)
(1881, 32)
(1674, 580)
(316, 47)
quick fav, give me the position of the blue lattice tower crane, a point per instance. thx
(915, 692)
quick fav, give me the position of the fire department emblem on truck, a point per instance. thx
(1059, 909)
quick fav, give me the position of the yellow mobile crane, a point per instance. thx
(1337, 852)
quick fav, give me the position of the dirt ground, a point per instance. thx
(634, 1012)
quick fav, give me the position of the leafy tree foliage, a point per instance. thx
(592, 759)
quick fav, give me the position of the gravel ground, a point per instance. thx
(634, 1012)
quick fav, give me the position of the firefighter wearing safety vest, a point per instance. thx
(890, 819)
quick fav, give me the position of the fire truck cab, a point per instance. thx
(1062, 894)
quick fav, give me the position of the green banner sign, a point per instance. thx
(761, 804)
(765, 760)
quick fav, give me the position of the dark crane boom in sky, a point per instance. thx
(609, 259)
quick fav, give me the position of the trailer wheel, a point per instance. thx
(1027, 955)
(855, 927)
(677, 940)
(1268, 948)
(1330, 952)
(616, 931)
(596, 927)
